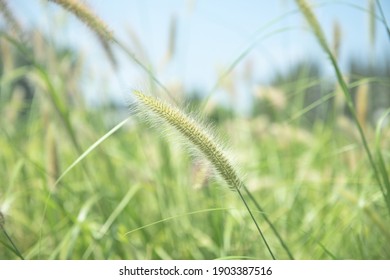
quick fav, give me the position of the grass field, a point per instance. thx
(74, 184)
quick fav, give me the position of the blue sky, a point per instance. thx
(210, 36)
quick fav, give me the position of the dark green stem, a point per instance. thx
(14, 248)
(275, 231)
(257, 226)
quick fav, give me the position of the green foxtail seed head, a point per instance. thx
(194, 133)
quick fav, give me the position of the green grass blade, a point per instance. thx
(90, 149)
(119, 209)
(13, 246)
(175, 217)
(381, 162)
(383, 17)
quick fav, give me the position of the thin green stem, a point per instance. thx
(130, 54)
(271, 225)
(256, 224)
(14, 248)
(383, 17)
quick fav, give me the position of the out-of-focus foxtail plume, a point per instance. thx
(6, 55)
(39, 46)
(52, 161)
(336, 39)
(171, 42)
(10, 18)
(372, 22)
(362, 104)
(84, 13)
(172, 37)
(272, 95)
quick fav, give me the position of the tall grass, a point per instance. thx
(179, 121)
(380, 175)
(75, 187)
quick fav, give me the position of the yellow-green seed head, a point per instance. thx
(195, 133)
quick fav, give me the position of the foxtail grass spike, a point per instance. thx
(196, 134)
(202, 140)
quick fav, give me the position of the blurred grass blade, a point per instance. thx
(175, 217)
(90, 149)
(13, 246)
(50, 89)
(383, 17)
(119, 209)
(381, 162)
(372, 22)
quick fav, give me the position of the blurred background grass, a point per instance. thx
(140, 196)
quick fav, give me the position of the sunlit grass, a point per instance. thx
(73, 187)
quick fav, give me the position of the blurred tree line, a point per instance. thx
(301, 89)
